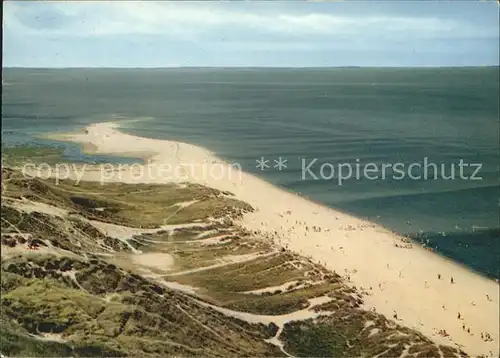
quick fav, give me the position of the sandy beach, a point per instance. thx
(419, 289)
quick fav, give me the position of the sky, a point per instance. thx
(250, 33)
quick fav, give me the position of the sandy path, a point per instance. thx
(279, 320)
(404, 281)
(286, 287)
(29, 206)
(224, 261)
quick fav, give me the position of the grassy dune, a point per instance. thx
(21, 154)
(157, 270)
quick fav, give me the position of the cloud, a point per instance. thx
(147, 33)
(192, 20)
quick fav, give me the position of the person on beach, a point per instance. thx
(451, 280)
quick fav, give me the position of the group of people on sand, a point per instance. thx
(316, 228)
(486, 337)
(403, 246)
(405, 243)
(452, 280)
(443, 333)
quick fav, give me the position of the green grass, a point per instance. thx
(21, 154)
(309, 340)
(246, 276)
(136, 205)
(345, 334)
(143, 319)
(48, 306)
(15, 343)
(280, 303)
(86, 287)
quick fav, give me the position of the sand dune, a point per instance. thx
(399, 282)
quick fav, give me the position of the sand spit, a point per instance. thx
(412, 285)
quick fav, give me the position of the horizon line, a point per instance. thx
(240, 67)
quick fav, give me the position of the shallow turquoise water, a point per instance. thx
(334, 115)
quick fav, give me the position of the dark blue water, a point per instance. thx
(337, 116)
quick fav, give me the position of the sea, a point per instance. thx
(436, 131)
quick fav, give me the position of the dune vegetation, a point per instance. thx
(156, 270)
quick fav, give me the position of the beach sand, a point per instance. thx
(401, 283)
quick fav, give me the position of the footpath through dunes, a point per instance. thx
(88, 277)
(443, 300)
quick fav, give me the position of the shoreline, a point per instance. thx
(399, 282)
(147, 158)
